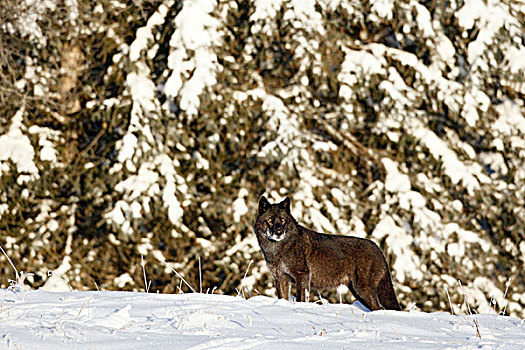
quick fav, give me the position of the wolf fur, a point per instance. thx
(297, 254)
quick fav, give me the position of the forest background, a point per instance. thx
(133, 129)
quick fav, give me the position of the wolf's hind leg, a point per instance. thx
(366, 296)
(386, 295)
(370, 299)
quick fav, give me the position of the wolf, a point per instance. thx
(310, 259)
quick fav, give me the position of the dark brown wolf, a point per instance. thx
(315, 260)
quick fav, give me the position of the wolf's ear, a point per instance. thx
(285, 204)
(263, 205)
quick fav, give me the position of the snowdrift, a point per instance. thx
(130, 320)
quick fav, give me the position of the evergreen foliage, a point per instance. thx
(153, 127)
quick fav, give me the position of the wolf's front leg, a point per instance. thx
(283, 288)
(303, 284)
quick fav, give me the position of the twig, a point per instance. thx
(242, 282)
(200, 275)
(17, 277)
(179, 287)
(182, 278)
(474, 323)
(505, 295)
(321, 297)
(89, 146)
(449, 302)
(146, 284)
(86, 301)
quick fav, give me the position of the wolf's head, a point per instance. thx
(274, 221)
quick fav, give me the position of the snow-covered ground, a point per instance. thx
(127, 320)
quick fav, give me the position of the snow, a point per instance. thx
(145, 35)
(407, 264)
(15, 146)
(196, 31)
(157, 176)
(150, 172)
(248, 245)
(55, 283)
(357, 61)
(45, 138)
(123, 279)
(511, 120)
(516, 61)
(27, 25)
(474, 99)
(287, 128)
(458, 171)
(125, 320)
(444, 49)
(265, 9)
(490, 17)
(175, 211)
(395, 181)
(239, 205)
